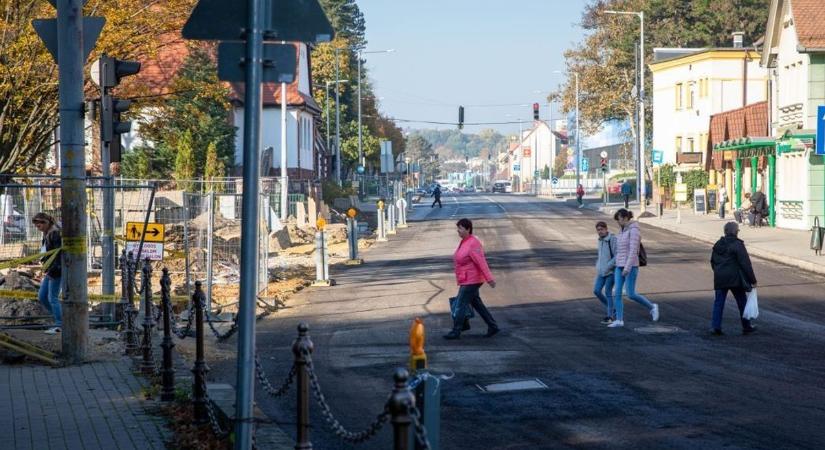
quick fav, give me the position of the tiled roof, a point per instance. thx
(748, 121)
(271, 95)
(157, 73)
(809, 16)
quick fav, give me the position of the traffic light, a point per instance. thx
(110, 72)
(460, 117)
(604, 164)
(535, 111)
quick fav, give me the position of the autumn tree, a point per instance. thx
(184, 162)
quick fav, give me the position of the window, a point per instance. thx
(690, 147)
(678, 144)
(678, 99)
(691, 95)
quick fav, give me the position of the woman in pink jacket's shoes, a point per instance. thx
(471, 272)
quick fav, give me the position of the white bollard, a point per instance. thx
(321, 261)
(391, 219)
(380, 227)
(401, 204)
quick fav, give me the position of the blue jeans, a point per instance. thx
(719, 306)
(629, 283)
(49, 297)
(604, 282)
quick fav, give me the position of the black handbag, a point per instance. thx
(642, 255)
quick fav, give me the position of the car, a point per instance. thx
(14, 226)
(502, 186)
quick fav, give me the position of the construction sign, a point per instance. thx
(152, 236)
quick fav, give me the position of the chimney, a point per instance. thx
(738, 38)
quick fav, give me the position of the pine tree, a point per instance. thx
(214, 167)
(185, 162)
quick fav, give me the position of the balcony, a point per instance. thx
(689, 158)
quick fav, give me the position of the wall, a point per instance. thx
(271, 137)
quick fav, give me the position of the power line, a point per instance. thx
(451, 123)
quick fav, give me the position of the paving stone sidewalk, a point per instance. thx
(98, 405)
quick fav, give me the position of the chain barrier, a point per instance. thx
(420, 430)
(213, 419)
(334, 424)
(267, 385)
(183, 333)
(221, 336)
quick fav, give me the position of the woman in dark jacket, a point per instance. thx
(49, 294)
(732, 271)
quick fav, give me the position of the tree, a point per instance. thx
(28, 79)
(559, 165)
(184, 162)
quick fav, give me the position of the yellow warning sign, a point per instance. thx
(154, 232)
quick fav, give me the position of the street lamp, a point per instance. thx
(578, 134)
(328, 84)
(641, 185)
(360, 138)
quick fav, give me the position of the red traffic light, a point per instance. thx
(535, 111)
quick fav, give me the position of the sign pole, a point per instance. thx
(249, 228)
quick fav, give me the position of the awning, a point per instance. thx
(795, 142)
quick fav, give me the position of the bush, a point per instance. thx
(332, 191)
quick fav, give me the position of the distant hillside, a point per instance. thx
(455, 144)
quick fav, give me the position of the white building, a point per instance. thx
(690, 87)
(536, 151)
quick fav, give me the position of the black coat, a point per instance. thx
(759, 203)
(52, 240)
(731, 264)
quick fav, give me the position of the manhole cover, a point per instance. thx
(657, 329)
(511, 386)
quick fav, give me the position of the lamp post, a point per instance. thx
(328, 84)
(578, 132)
(641, 184)
(360, 138)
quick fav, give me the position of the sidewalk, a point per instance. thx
(98, 405)
(789, 247)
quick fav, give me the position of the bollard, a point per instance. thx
(382, 235)
(402, 213)
(130, 336)
(199, 370)
(352, 240)
(400, 402)
(391, 218)
(147, 365)
(321, 259)
(418, 358)
(167, 372)
(428, 403)
(124, 296)
(302, 349)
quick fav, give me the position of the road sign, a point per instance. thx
(47, 30)
(154, 232)
(279, 62)
(585, 165)
(536, 173)
(658, 156)
(516, 168)
(555, 180)
(820, 130)
(603, 154)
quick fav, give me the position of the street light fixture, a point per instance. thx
(641, 185)
(360, 138)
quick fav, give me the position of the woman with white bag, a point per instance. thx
(732, 271)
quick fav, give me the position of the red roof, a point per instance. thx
(748, 121)
(271, 95)
(809, 15)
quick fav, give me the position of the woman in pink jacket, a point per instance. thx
(471, 272)
(628, 245)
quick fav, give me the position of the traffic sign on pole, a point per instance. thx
(657, 156)
(820, 130)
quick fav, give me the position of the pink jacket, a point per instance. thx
(627, 246)
(470, 264)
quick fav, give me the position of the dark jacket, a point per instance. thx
(437, 192)
(52, 240)
(759, 203)
(627, 189)
(731, 264)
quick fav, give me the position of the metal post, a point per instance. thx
(772, 189)
(738, 175)
(391, 218)
(107, 239)
(186, 260)
(360, 139)
(130, 312)
(754, 163)
(337, 121)
(167, 372)
(352, 239)
(124, 285)
(302, 350)
(284, 163)
(147, 365)
(642, 139)
(74, 336)
(321, 260)
(210, 250)
(400, 402)
(199, 369)
(245, 384)
(382, 235)
(578, 135)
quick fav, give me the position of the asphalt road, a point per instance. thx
(606, 388)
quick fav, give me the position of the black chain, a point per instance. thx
(210, 412)
(334, 424)
(267, 385)
(420, 431)
(183, 333)
(221, 336)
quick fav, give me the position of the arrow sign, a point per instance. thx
(153, 233)
(47, 30)
(285, 20)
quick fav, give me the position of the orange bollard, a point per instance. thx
(418, 359)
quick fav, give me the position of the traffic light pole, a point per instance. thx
(107, 240)
(74, 281)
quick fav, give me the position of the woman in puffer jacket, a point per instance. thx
(629, 241)
(471, 272)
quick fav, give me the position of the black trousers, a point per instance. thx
(437, 200)
(626, 200)
(468, 297)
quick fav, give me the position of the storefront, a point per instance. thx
(747, 164)
(800, 181)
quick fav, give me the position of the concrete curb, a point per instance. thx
(754, 250)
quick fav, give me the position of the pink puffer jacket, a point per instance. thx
(470, 264)
(627, 246)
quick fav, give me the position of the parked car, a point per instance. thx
(502, 186)
(14, 225)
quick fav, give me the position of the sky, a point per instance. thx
(473, 53)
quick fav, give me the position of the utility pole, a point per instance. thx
(578, 136)
(284, 166)
(75, 278)
(337, 122)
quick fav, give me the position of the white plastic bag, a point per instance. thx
(751, 307)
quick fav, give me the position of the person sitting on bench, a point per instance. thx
(759, 208)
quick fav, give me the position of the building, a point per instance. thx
(533, 157)
(691, 85)
(794, 54)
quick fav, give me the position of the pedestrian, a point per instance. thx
(628, 248)
(437, 196)
(759, 208)
(723, 199)
(744, 208)
(605, 264)
(580, 195)
(49, 294)
(732, 271)
(627, 191)
(471, 272)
